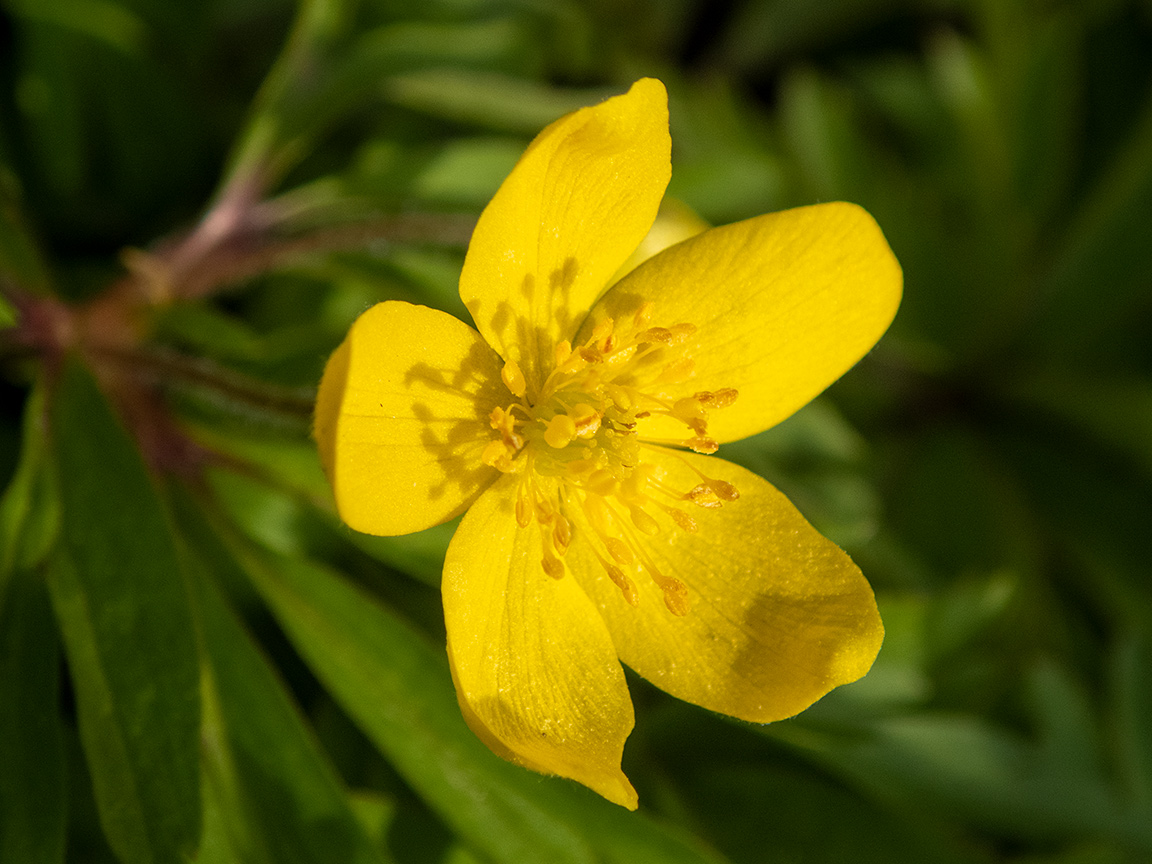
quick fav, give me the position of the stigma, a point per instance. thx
(580, 459)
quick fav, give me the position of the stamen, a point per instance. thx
(523, 508)
(514, 379)
(701, 444)
(561, 534)
(497, 455)
(718, 398)
(703, 496)
(643, 521)
(552, 565)
(686, 522)
(586, 420)
(619, 550)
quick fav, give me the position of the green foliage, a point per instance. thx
(198, 662)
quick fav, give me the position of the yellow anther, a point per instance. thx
(561, 534)
(497, 454)
(700, 444)
(587, 420)
(544, 511)
(514, 378)
(676, 597)
(702, 496)
(623, 583)
(562, 352)
(644, 521)
(619, 550)
(718, 398)
(523, 510)
(655, 334)
(560, 431)
(682, 519)
(553, 566)
(724, 490)
(496, 418)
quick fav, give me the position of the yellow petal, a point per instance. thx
(402, 418)
(535, 670)
(578, 202)
(778, 615)
(784, 304)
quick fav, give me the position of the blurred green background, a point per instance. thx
(198, 662)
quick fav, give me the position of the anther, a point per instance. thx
(644, 521)
(717, 398)
(553, 566)
(561, 534)
(701, 444)
(724, 490)
(655, 334)
(676, 597)
(514, 378)
(497, 455)
(703, 496)
(623, 583)
(523, 510)
(619, 550)
(682, 519)
(586, 420)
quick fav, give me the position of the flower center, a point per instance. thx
(576, 448)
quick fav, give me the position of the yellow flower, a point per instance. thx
(571, 428)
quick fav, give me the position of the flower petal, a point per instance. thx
(778, 615)
(784, 304)
(578, 202)
(402, 418)
(535, 670)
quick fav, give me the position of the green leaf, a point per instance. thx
(32, 782)
(120, 600)
(33, 789)
(398, 690)
(283, 799)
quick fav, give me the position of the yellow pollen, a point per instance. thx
(514, 379)
(718, 398)
(587, 420)
(682, 519)
(578, 443)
